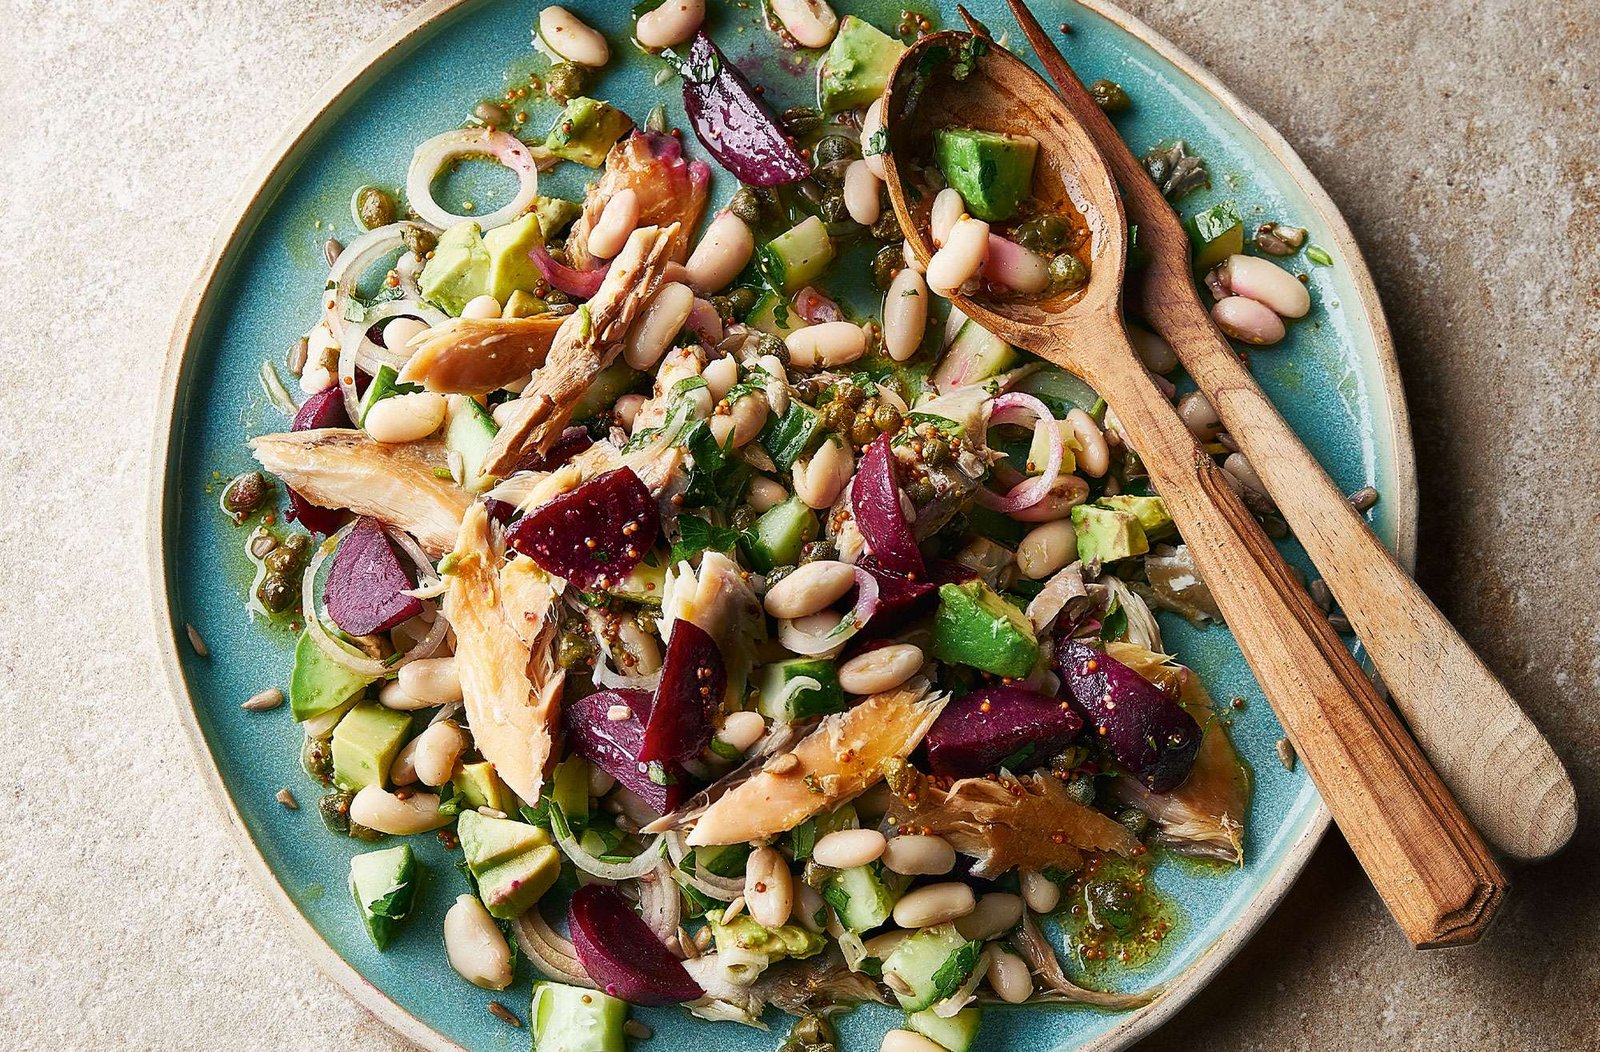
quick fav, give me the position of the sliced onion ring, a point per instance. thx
(359, 256)
(432, 156)
(553, 954)
(644, 862)
(661, 904)
(581, 283)
(358, 352)
(723, 889)
(343, 654)
(811, 644)
(1014, 407)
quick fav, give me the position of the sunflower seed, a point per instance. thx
(501, 1012)
(268, 699)
(1364, 498)
(1286, 753)
(286, 798)
(196, 641)
(1322, 595)
(637, 1030)
(735, 908)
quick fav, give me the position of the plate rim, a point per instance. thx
(240, 215)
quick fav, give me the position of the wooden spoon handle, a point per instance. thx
(1422, 854)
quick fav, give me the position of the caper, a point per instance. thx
(1081, 790)
(773, 345)
(1112, 902)
(862, 430)
(1043, 234)
(801, 120)
(418, 242)
(1108, 94)
(1134, 821)
(491, 113)
(557, 298)
(746, 205)
(887, 228)
(286, 557)
(566, 80)
(921, 493)
(245, 493)
(573, 650)
(723, 305)
(742, 301)
(832, 148)
(375, 207)
(1067, 273)
(276, 591)
(935, 451)
(813, 1029)
(832, 209)
(830, 176)
(812, 551)
(743, 517)
(261, 544)
(836, 416)
(299, 543)
(889, 261)
(851, 395)
(887, 418)
(316, 756)
(335, 811)
(778, 573)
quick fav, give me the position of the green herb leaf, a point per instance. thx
(696, 535)
(1319, 256)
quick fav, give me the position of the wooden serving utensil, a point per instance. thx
(1502, 770)
(1428, 863)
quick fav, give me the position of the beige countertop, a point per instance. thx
(1460, 139)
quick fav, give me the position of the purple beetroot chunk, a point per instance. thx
(323, 409)
(620, 952)
(875, 501)
(733, 124)
(568, 444)
(999, 727)
(613, 746)
(1145, 731)
(364, 589)
(594, 535)
(693, 678)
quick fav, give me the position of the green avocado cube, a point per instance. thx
(479, 786)
(384, 885)
(857, 66)
(488, 841)
(319, 684)
(1152, 513)
(458, 270)
(992, 171)
(1107, 534)
(511, 268)
(509, 888)
(586, 130)
(365, 744)
(975, 626)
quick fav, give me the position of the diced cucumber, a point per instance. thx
(985, 522)
(1216, 234)
(384, 885)
(974, 356)
(726, 860)
(611, 383)
(860, 897)
(384, 385)
(645, 581)
(775, 315)
(782, 700)
(797, 257)
(791, 436)
(932, 964)
(571, 1019)
(780, 533)
(318, 684)
(958, 1033)
(365, 744)
(1058, 389)
(469, 429)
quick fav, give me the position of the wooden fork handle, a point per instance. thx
(1422, 854)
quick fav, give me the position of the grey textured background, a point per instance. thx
(1458, 137)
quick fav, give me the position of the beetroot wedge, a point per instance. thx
(365, 586)
(613, 746)
(733, 123)
(875, 502)
(999, 727)
(1144, 730)
(570, 443)
(620, 952)
(323, 409)
(594, 535)
(693, 678)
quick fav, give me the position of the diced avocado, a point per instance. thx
(469, 429)
(523, 304)
(554, 214)
(511, 269)
(1216, 234)
(774, 315)
(797, 257)
(975, 355)
(365, 744)
(384, 885)
(509, 888)
(385, 384)
(860, 896)
(992, 171)
(856, 69)
(318, 683)
(486, 841)
(1107, 534)
(782, 700)
(586, 130)
(1152, 513)
(458, 270)
(610, 384)
(957, 1034)
(726, 860)
(777, 537)
(573, 1019)
(791, 436)
(645, 581)
(1039, 450)
(975, 626)
(745, 933)
(479, 786)
(569, 787)
(932, 964)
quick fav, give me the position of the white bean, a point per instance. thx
(399, 333)
(627, 410)
(862, 193)
(1155, 352)
(1199, 416)
(1247, 321)
(905, 314)
(995, 914)
(821, 477)
(394, 696)
(658, 326)
(600, 783)
(1046, 549)
(475, 946)
(616, 223)
(812, 23)
(765, 493)
(880, 669)
(916, 855)
(848, 848)
(670, 24)
(403, 771)
(908, 1041)
(948, 208)
(480, 308)
(1009, 976)
(742, 729)
(871, 125)
(1017, 268)
(1039, 892)
(432, 681)
(934, 904)
(743, 420)
(961, 257)
(1094, 456)
(437, 750)
(721, 375)
(406, 417)
(1267, 284)
(314, 379)
(1244, 473)
(812, 587)
(564, 34)
(377, 808)
(721, 254)
(828, 344)
(768, 888)
(912, 262)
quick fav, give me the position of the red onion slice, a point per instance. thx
(811, 644)
(816, 308)
(433, 156)
(1014, 407)
(581, 283)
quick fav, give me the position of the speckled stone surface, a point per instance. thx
(1459, 139)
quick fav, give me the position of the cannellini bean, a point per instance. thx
(394, 696)
(743, 420)
(640, 645)
(405, 418)
(437, 750)
(314, 379)
(768, 887)
(828, 344)
(566, 35)
(475, 946)
(670, 24)
(377, 808)
(432, 681)
(1039, 892)
(1244, 473)
(908, 1041)
(961, 257)
(600, 783)
(881, 946)
(948, 207)
(848, 848)
(721, 254)
(627, 410)
(1068, 492)
(821, 477)
(1267, 284)
(810, 912)
(880, 669)
(905, 314)
(812, 23)
(1015, 267)
(658, 326)
(765, 493)
(934, 904)
(481, 307)
(862, 193)
(995, 914)
(1247, 321)
(616, 223)
(1094, 456)
(871, 125)
(1155, 352)
(912, 262)
(812, 587)
(403, 771)
(399, 333)
(720, 376)
(1046, 549)
(916, 855)
(742, 729)
(1009, 976)
(1198, 415)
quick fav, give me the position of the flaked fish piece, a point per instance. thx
(474, 356)
(840, 760)
(504, 627)
(397, 484)
(586, 343)
(671, 190)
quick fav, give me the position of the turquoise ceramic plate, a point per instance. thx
(1334, 379)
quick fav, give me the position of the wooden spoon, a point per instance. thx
(1492, 756)
(1424, 857)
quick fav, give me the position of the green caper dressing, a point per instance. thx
(1115, 920)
